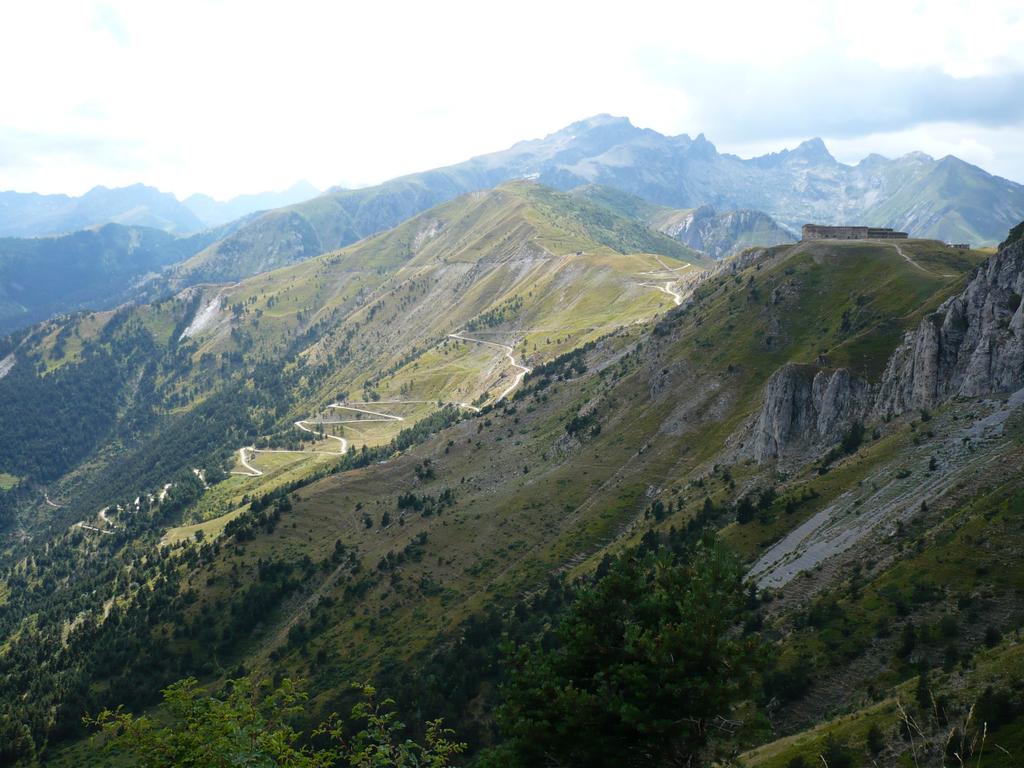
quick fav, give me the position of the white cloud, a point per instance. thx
(227, 97)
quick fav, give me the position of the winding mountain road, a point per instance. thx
(380, 416)
(375, 417)
(467, 406)
(343, 443)
(676, 296)
(254, 472)
(93, 528)
(669, 287)
(666, 287)
(523, 370)
(667, 268)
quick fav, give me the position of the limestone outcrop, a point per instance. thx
(805, 407)
(973, 345)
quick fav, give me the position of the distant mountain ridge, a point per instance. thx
(721, 234)
(945, 199)
(37, 215)
(216, 212)
(33, 215)
(718, 234)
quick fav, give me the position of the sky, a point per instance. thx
(228, 97)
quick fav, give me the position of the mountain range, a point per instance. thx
(32, 215)
(718, 234)
(945, 199)
(94, 268)
(711, 202)
(35, 215)
(213, 213)
(600, 470)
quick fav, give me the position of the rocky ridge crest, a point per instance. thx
(972, 345)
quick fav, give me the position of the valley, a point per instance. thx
(379, 461)
(372, 397)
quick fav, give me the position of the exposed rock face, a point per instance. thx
(721, 234)
(972, 345)
(840, 399)
(805, 406)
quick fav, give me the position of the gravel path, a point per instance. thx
(523, 370)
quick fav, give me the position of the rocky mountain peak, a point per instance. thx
(813, 151)
(701, 147)
(918, 157)
(602, 123)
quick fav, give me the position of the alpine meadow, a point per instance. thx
(333, 434)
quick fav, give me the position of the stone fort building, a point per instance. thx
(821, 232)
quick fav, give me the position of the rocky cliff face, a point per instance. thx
(721, 234)
(805, 407)
(972, 345)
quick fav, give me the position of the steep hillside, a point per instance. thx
(384, 461)
(94, 268)
(32, 215)
(519, 267)
(638, 445)
(409, 563)
(118, 423)
(970, 346)
(270, 241)
(952, 201)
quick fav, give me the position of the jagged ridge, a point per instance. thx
(972, 345)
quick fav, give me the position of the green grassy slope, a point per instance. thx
(371, 570)
(520, 265)
(954, 586)
(955, 201)
(515, 264)
(528, 497)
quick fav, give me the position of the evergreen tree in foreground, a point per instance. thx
(644, 667)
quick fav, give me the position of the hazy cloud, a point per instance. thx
(106, 19)
(32, 161)
(231, 96)
(844, 99)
